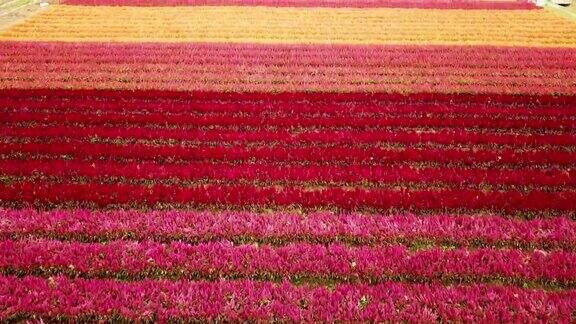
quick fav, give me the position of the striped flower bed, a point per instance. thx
(429, 4)
(288, 161)
(289, 68)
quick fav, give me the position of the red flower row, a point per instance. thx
(236, 153)
(557, 104)
(279, 136)
(504, 122)
(353, 174)
(246, 196)
(292, 103)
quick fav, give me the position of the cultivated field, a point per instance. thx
(289, 161)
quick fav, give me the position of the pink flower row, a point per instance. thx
(279, 55)
(281, 227)
(222, 259)
(311, 82)
(264, 301)
(245, 196)
(177, 84)
(297, 73)
(284, 68)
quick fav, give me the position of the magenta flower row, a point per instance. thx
(282, 227)
(222, 259)
(265, 301)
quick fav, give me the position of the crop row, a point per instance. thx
(279, 83)
(246, 196)
(352, 174)
(273, 104)
(299, 102)
(264, 301)
(311, 173)
(282, 228)
(345, 73)
(241, 24)
(360, 56)
(333, 261)
(238, 153)
(284, 137)
(502, 122)
(377, 63)
(178, 82)
(280, 104)
(426, 4)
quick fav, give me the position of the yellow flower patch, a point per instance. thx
(297, 25)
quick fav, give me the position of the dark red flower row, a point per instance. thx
(498, 122)
(371, 155)
(554, 102)
(353, 174)
(246, 196)
(338, 137)
(254, 104)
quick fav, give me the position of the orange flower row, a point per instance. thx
(297, 25)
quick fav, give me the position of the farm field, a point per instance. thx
(288, 161)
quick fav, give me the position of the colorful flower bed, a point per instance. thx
(428, 4)
(289, 161)
(289, 68)
(297, 25)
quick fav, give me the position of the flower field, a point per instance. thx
(289, 68)
(288, 161)
(297, 25)
(451, 4)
